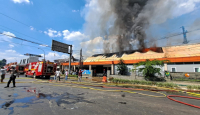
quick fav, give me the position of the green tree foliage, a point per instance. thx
(149, 70)
(3, 62)
(121, 67)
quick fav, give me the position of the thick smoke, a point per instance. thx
(127, 20)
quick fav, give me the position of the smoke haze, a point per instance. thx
(122, 23)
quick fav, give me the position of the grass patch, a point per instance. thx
(151, 83)
(72, 75)
(193, 87)
(182, 79)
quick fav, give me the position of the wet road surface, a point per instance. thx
(32, 97)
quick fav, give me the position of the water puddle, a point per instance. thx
(23, 106)
(7, 104)
(15, 95)
(21, 100)
(11, 110)
(26, 100)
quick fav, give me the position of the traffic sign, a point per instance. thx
(60, 47)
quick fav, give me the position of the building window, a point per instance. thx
(173, 69)
(196, 69)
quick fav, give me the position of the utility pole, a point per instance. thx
(184, 35)
(44, 53)
(70, 58)
(80, 59)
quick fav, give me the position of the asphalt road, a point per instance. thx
(33, 97)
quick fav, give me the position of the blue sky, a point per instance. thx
(64, 20)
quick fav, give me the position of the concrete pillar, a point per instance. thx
(165, 66)
(112, 69)
(91, 73)
(108, 73)
(90, 67)
(74, 68)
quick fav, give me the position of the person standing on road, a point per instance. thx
(104, 73)
(77, 73)
(80, 75)
(3, 73)
(55, 75)
(14, 74)
(66, 74)
(58, 73)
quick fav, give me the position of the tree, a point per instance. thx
(121, 67)
(149, 70)
(3, 62)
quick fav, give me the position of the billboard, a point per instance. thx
(60, 47)
(86, 72)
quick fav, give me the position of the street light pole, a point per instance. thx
(44, 53)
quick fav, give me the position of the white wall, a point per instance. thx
(182, 67)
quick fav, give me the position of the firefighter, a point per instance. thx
(14, 74)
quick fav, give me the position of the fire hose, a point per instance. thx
(169, 97)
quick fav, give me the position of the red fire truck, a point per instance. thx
(21, 69)
(40, 69)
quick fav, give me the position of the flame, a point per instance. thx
(154, 49)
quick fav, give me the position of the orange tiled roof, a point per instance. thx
(183, 53)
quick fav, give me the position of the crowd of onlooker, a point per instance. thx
(66, 73)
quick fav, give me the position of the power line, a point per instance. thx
(19, 43)
(22, 33)
(20, 22)
(23, 39)
(15, 20)
(173, 35)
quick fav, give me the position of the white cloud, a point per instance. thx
(32, 28)
(11, 46)
(21, 1)
(10, 51)
(11, 55)
(185, 6)
(94, 42)
(53, 33)
(6, 36)
(75, 10)
(43, 45)
(74, 35)
(51, 56)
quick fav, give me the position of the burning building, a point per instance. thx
(184, 58)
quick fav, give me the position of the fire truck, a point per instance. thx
(23, 62)
(20, 69)
(40, 69)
